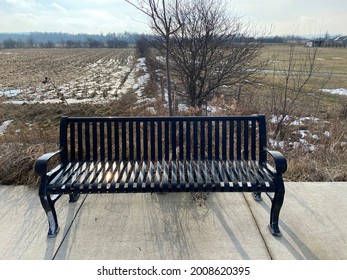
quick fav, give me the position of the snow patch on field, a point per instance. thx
(4, 126)
(300, 138)
(340, 91)
(143, 79)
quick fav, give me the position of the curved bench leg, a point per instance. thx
(277, 203)
(48, 206)
(257, 196)
(74, 197)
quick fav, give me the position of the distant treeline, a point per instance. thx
(110, 40)
(67, 40)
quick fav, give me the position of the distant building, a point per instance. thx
(316, 43)
(338, 42)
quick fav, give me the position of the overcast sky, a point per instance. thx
(283, 17)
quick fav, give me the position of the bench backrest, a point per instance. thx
(163, 138)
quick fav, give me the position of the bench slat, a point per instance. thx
(133, 174)
(209, 141)
(116, 143)
(124, 140)
(102, 141)
(145, 141)
(173, 141)
(160, 140)
(265, 174)
(62, 175)
(149, 176)
(258, 179)
(95, 141)
(206, 174)
(195, 140)
(116, 175)
(125, 177)
(245, 172)
(87, 140)
(253, 140)
(182, 176)
(216, 154)
(238, 140)
(109, 142)
(167, 140)
(131, 139)
(224, 140)
(190, 172)
(222, 173)
(214, 172)
(202, 144)
(245, 139)
(153, 142)
(70, 180)
(157, 176)
(232, 177)
(165, 176)
(141, 175)
(173, 174)
(100, 183)
(199, 179)
(92, 176)
(82, 181)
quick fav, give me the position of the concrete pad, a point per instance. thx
(313, 222)
(169, 226)
(176, 226)
(24, 226)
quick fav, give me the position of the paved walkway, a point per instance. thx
(177, 226)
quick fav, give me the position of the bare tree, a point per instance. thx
(213, 48)
(163, 21)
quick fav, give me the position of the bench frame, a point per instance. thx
(230, 153)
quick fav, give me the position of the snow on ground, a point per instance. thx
(291, 119)
(4, 126)
(340, 91)
(10, 92)
(300, 138)
(276, 144)
(143, 79)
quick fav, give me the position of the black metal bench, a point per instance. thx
(161, 154)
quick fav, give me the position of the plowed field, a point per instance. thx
(78, 75)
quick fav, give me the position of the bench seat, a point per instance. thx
(164, 176)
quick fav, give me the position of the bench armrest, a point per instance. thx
(280, 161)
(42, 162)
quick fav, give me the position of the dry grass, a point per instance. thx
(24, 141)
(331, 60)
(35, 131)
